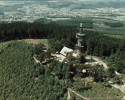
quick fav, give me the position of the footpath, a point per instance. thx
(95, 61)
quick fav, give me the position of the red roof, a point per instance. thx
(74, 51)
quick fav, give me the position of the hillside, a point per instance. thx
(17, 72)
(22, 79)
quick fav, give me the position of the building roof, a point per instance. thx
(65, 50)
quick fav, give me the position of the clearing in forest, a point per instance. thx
(37, 41)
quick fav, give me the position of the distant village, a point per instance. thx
(31, 12)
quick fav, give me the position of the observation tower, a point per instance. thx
(80, 36)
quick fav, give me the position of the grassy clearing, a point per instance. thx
(30, 41)
(37, 41)
(100, 92)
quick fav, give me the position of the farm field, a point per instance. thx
(110, 27)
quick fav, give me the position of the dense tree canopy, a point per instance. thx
(21, 78)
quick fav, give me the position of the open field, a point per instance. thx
(109, 27)
(30, 41)
(56, 19)
(37, 41)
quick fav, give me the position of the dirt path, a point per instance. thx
(95, 61)
(70, 90)
(37, 61)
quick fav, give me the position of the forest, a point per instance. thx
(22, 78)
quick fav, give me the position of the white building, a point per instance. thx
(64, 53)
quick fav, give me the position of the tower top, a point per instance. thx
(81, 33)
(80, 25)
(81, 28)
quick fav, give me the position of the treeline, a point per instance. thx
(22, 30)
(58, 35)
